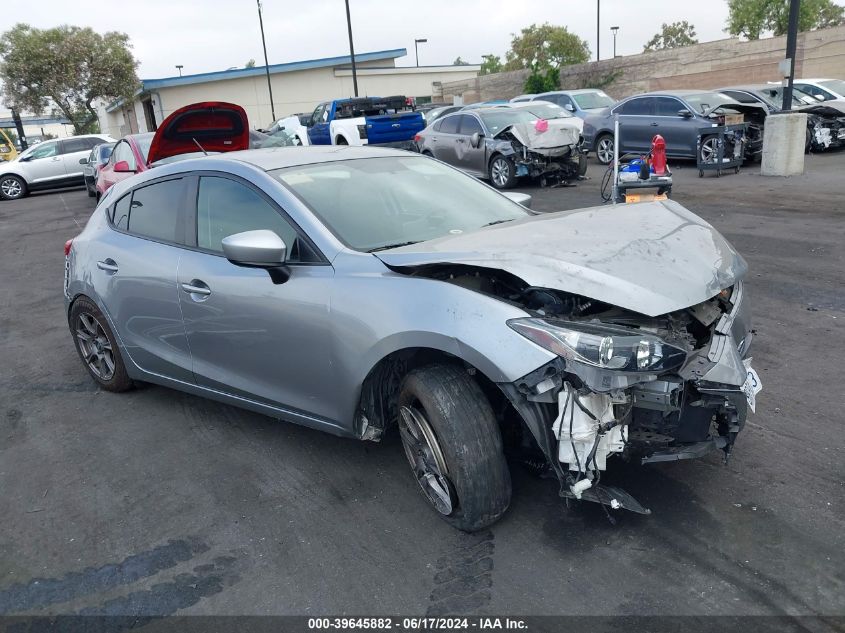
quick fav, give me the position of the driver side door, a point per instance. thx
(318, 131)
(45, 164)
(250, 337)
(471, 159)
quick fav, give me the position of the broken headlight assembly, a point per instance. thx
(602, 346)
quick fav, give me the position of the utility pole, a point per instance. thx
(19, 127)
(598, 29)
(791, 45)
(416, 50)
(351, 50)
(266, 63)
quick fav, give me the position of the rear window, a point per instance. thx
(547, 111)
(144, 141)
(590, 100)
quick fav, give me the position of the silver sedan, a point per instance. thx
(361, 290)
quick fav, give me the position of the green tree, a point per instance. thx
(545, 46)
(753, 18)
(66, 69)
(460, 62)
(250, 64)
(490, 64)
(541, 80)
(673, 35)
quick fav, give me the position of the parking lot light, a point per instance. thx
(417, 50)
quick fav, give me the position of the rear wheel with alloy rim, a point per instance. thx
(502, 172)
(97, 346)
(453, 444)
(710, 149)
(12, 188)
(605, 149)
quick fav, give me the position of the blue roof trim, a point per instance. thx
(152, 84)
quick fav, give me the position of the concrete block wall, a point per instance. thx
(708, 65)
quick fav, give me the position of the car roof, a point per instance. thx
(270, 158)
(578, 91)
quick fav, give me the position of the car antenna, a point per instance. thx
(200, 146)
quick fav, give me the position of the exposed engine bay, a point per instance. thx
(640, 388)
(553, 153)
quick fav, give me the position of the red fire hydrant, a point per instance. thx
(658, 155)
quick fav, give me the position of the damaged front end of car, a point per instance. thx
(647, 389)
(551, 151)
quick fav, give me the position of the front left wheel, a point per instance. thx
(97, 347)
(452, 441)
(502, 172)
(12, 187)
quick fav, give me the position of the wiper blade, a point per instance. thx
(387, 247)
(497, 222)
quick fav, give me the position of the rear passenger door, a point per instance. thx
(446, 139)
(72, 150)
(135, 275)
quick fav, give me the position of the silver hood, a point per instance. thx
(652, 258)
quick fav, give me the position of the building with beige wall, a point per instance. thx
(37, 126)
(297, 87)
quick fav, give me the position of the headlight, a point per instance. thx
(602, 346)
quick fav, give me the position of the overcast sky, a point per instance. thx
(208, 35)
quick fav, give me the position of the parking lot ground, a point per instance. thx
(157, 502)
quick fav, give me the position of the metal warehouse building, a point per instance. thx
(297, 87)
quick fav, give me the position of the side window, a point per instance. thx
(120, 214)
(123, 152)
(666, 106)
(564, 100)
(73, 145)
(450, 124)
(470, 125)
(324, 116)
(226, 207)
(154, 211)
(641, 106)
(45, 150)
(437, 125)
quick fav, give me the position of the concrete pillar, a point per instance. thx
(784, 138)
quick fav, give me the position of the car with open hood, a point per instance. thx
(505, 143)
(363, 291)
(678, 116)
(193, 130)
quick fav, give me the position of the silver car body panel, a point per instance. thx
(652, 258)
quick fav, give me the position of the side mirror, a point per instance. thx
(819, 97)
(475, 139)
(83, 161)
(123, 167)
(520, 198)
(683, 112)
(258, 249)
(25, 159)
(569, 107)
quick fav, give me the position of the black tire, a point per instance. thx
(808, 142)
(427, 153)
(84, 311)
(92, 193)
(468, 438)
(501, 172)
(12, 187)
(602, 155)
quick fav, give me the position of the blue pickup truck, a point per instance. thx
(365, 121)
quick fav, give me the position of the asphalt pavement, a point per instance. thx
(158, 502)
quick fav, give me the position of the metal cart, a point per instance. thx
(724, 146)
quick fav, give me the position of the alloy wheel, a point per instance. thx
(500, 172)
(709, 150)
(426, 458)
(605, 150)
(95, 346)
(11, 188)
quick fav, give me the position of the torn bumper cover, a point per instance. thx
(551, 152)
(592, 402)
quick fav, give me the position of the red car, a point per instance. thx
(207, 127)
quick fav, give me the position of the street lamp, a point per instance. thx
(351, 50)
(615, 29)
(416, 50)
(266, 63)
(179, 67)
(598, 29)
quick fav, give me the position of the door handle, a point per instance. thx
(109, 265)
(654, 124)
(196, 287)
(56, 158)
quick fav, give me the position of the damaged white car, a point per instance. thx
(360, 290)
(504, 143)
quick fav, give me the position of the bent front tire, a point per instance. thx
(97, 347)
(454, 446)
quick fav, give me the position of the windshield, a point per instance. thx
(374, 203)
(144, 141)
(774, 96)
(593, 100)
(835, 85)
(705, 101)
(546, 110)
(500, 119)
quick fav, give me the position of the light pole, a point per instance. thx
(179, 67)
(791, 45)
(598, 29)
(416, 50)
(614, 29)
(351, 50)
(266, 63)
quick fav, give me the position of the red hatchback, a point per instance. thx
(208, 127)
